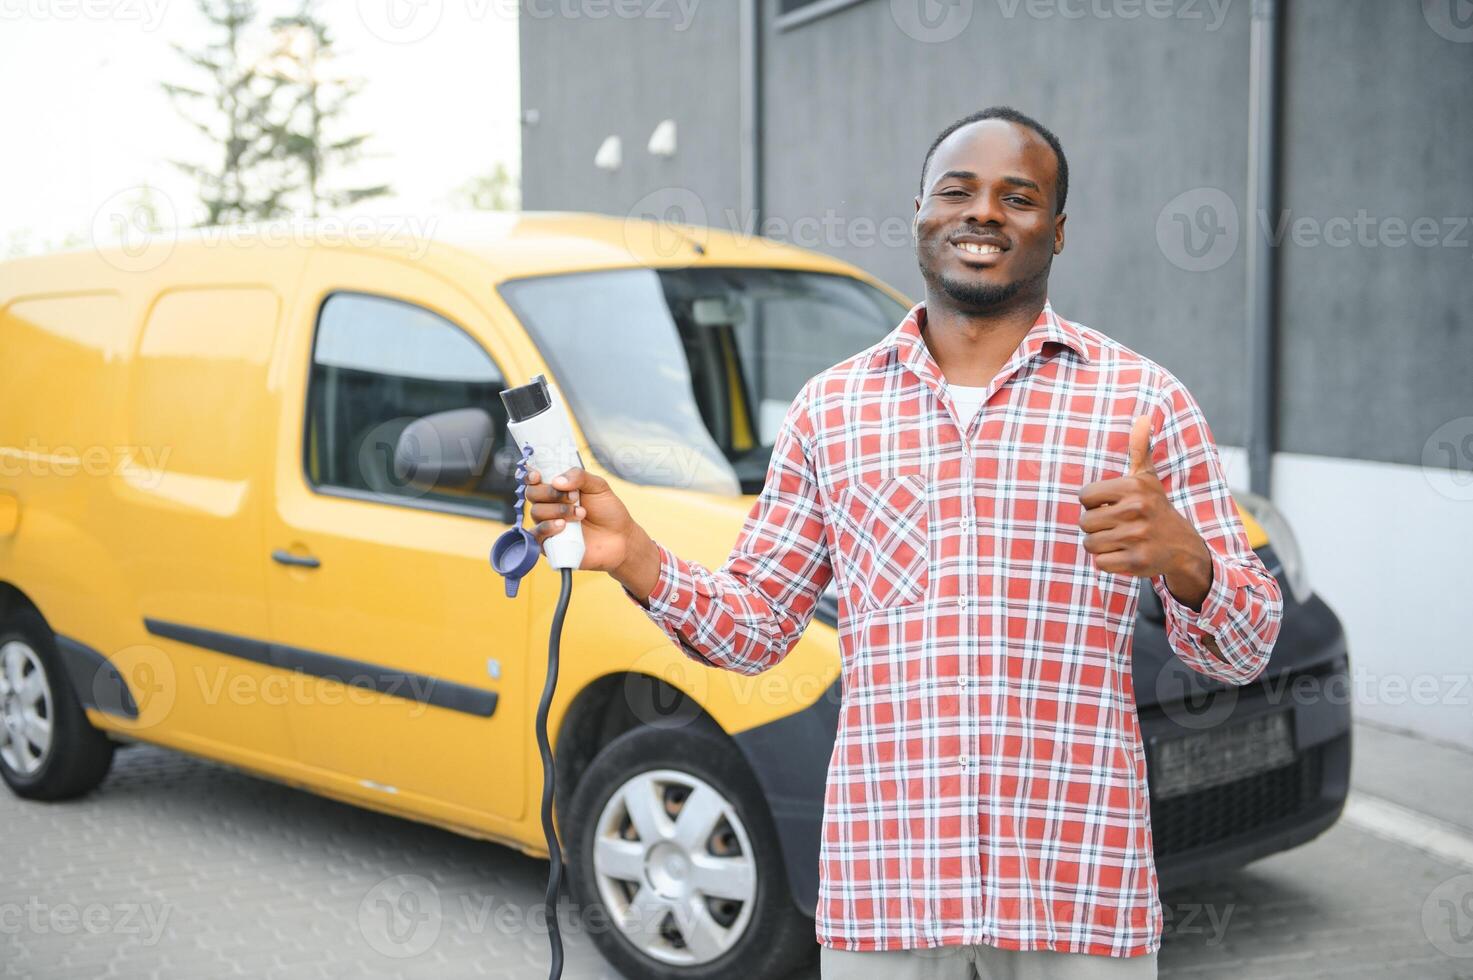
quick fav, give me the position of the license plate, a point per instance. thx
(1229, 752)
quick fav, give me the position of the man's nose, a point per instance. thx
(984, 209)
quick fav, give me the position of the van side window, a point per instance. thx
(380, 364)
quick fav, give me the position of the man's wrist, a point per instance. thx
(639, 573)
(1191, 581)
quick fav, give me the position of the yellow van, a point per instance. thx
(207, 542)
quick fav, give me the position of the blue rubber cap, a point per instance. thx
(513, 555)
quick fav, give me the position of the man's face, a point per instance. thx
(985, 222)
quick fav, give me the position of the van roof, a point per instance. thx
(492, 246)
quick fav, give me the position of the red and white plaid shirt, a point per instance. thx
(988, 781)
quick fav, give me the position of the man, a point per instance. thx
(988, 485)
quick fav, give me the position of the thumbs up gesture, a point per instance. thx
(1131, 528)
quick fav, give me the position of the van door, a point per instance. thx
(410, 655)
(189, 525)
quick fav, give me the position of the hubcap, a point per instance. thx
(674, 866)
(25, 705)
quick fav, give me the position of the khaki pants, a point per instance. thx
(984, 962)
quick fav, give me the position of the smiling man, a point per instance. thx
(990, 487)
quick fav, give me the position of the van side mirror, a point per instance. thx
(446, 449)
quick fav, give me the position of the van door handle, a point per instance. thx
(283, 557)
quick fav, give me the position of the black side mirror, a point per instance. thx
(447, 449)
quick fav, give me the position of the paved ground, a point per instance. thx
(179, 868)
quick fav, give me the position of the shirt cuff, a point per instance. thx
(1210, 620)
(665, 597)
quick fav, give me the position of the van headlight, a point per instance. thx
(1281, 538)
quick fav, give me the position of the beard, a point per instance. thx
(979, 296)
(973, 296)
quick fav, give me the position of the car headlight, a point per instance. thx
(1281, 539)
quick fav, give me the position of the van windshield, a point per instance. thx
(682, 377)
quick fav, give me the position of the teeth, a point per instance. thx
(976, 249)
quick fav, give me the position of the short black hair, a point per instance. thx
(1007, 114)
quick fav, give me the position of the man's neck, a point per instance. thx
(971, 347)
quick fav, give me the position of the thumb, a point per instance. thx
(580, 479)
(1140, 446)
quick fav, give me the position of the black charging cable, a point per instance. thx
(554, 850)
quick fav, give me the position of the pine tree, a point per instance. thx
(303, 64)
(235, 112)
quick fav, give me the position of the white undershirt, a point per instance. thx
(967, 401)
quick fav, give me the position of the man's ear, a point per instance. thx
(1059, 233)
(915, 224)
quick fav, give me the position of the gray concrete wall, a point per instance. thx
(1377, 341)
(591, 77)
(1152, 111)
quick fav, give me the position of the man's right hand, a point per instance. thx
(612, 541)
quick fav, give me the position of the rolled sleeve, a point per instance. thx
(747, 615)
(1244, 605)
(671, 602)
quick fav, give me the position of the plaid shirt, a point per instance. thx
(988, 781)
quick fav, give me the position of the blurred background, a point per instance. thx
(1272, 199)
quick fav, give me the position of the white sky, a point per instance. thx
(85, 119)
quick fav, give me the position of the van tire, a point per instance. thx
(79, 756)
(776, 938)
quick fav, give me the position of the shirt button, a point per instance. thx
(963, 760)
(961, 682)
(962, 601)
(966, 523)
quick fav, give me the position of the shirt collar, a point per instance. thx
(908, 345)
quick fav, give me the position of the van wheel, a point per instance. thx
(48, 748)
(672, 846)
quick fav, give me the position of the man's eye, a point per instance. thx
(953, 192)
(1015, 199)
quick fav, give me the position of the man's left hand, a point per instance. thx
(1132, 529)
